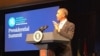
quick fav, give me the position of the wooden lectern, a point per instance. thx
(47, 42)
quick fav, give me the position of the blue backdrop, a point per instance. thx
(18, 24)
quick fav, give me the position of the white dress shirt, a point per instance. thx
(61, 24)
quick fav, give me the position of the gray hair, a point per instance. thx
(64, 10)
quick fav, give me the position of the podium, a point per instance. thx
(47, 42)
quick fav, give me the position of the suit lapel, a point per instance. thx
(65, 25)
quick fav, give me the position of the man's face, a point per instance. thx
(60, 15)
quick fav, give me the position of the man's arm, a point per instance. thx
(68, 32)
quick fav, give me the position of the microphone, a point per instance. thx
(43, 28)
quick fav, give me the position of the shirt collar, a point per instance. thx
(65, 20)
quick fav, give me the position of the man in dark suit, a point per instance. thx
(66, 29)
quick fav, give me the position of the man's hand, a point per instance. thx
(56, 26)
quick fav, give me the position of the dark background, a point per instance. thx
(85, 15)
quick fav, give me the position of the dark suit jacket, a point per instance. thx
(67, 31)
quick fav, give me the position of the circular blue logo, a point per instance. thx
(11, 22)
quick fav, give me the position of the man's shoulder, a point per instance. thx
(71, 23)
